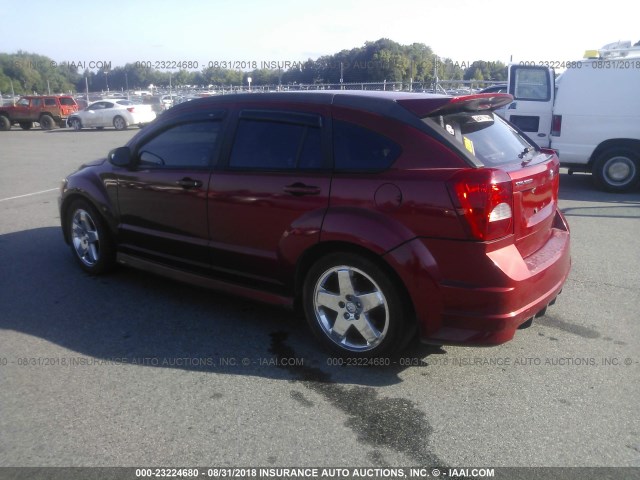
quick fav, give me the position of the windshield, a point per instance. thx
(486, 136)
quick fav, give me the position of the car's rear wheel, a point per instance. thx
(26, 125)
(353, 307)
(119, 123)
(46, 122)
(5, 124)
(617, 170)
(76, 124)
(91, 242)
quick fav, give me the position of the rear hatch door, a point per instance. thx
(487, 141)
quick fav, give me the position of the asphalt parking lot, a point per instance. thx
(131, 369)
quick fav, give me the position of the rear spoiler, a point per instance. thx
(466, 103)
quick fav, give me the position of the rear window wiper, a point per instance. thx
(525, 152)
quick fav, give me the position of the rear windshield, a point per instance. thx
(67, 101)
(486, 136)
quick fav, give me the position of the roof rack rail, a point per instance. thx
(614, 50)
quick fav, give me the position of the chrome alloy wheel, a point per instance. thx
(351, 308)
(85, 238)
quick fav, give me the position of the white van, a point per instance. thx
(590, 114)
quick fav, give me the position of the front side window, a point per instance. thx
(357, 148)
(23, 102)
(273, 145)
(188, 145)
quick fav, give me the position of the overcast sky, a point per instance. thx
(126, 31)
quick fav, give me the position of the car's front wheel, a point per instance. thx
(353, 306)
(617, 169)
(119, 123)
(5, 124)
(91, 243)
(76, 124)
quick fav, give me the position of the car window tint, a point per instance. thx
(23, 102)
(485, 135)
(50, 102)
(358, 148)
(108, 105)
(271, 145)
(67, 101)
(189, 145)
(36, 102)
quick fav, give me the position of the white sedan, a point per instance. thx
(112, 113)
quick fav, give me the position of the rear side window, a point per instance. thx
(50, 102)
(486, 136)
(359, 149)
(189, 145)
(273, 145)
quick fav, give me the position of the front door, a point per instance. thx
(163, 199)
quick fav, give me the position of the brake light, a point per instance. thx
(131, 109)
(556, 125)
(484, 200)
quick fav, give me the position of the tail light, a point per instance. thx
(484, 200)
(131, 109)
(556, 125)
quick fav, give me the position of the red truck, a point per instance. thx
(47, 110)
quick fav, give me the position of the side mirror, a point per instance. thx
(120, 157)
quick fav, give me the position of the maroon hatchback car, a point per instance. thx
(379, 214)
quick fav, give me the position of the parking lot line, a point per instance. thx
(28, 194)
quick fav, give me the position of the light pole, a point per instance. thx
(106, 79)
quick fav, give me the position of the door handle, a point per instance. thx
(299, 189)
(189, 183)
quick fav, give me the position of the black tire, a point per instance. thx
(119, 123)
(76, 124)
(5, 124)
(617, 169)
(26, 125)
(46, 122)
(347, 298)
(90, 240)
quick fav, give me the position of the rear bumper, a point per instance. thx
(482, 293)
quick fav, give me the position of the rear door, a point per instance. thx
(533, 90)
(267, 205)
(105, 116)
(37, 105)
